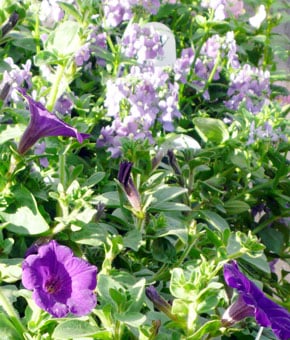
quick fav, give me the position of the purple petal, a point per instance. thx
(267, 312)
(49, 304)
(82, 302)
(83, 274)
(44, 124)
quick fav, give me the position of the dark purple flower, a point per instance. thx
(253, 302)
(124, 177)
(157, 300)
(43, 124)
(61, 282)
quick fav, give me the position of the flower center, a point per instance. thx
(52, 285)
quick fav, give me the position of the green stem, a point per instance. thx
(55, 87)
(36, 33)
(265, 224)
(62, 172)
(14, 318)
(213, 71)
(160, 272)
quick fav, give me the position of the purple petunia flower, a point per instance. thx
(61, 282)
(44, 124)
(253, 303)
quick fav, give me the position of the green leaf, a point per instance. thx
(214, 219)
(94, 179)
(70, 9)
(210, 327)
(93, 234)
(74, 329)
(133, 239)
(10, 270)
(259, 262)
(170, 206)
(23, 216)
(65, 39)
(110, 199)
(132, 319)
(7, 330)
(211, 129)
(45, 58)
(234, 207)
(11, 132)
(167, 193)
(163, 250)
(273, 239)
(179, 142)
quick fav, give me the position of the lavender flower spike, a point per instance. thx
(61, 282)
(44, 124)
(125, 179)
(253, 302)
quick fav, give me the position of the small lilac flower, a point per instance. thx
(142, 43)
(44, 124)
(197, 70)
(98, 44)
(224, 8)
(61, 282)
(82, 55)
(39, 150)
(118, 11)
(253, 303)
(265, 132)
(248, 85)
(124, 177)
(63, 105)
(137, 102)
(50, 12)
(14, 78)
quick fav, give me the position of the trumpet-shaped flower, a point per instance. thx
(61, 282)
(124, 177)
(252, 302)
(44, 124)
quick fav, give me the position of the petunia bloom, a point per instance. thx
(44, 124)
(252, 302)
(61, 282)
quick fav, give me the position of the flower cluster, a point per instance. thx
(252, 302)
(96, 43)
(224, 8)
(265, 132)
(136, 102)
(50, 12)
(197, 70)
(122, 10)
(14, 78)
(142, 43)
(249, 85)
(61, 282)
